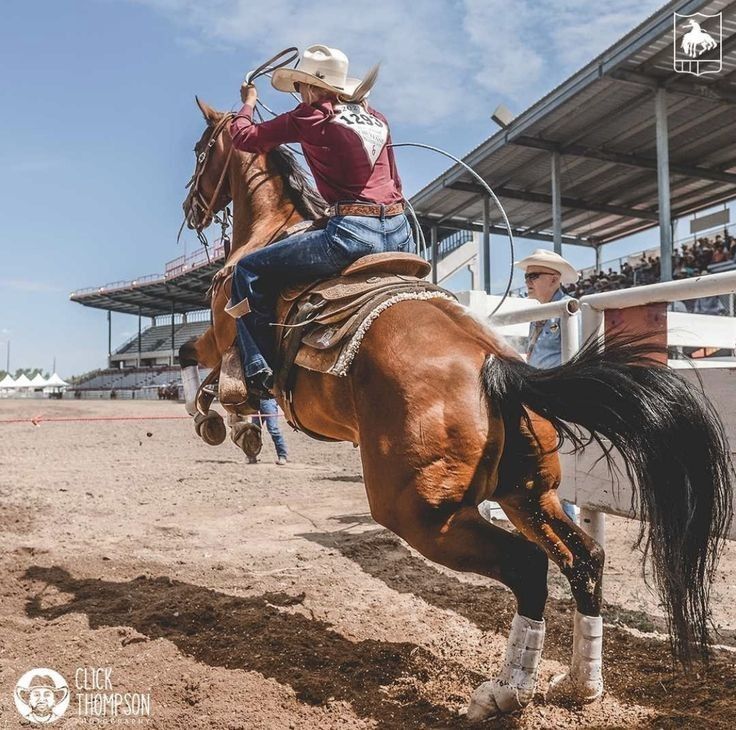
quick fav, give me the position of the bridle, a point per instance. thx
(200, 211)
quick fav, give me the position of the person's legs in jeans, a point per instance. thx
(260, 275)
(570, 511)
(270, 410)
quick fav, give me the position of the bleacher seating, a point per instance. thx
(127, 379)
(158, 338)
(156, 369)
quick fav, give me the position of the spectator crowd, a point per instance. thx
(690, 260)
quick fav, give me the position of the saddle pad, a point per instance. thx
(336, 360)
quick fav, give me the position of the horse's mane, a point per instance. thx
(297, 186)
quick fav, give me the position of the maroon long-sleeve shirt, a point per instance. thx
(345, 145)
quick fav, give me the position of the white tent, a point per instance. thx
(39, 381)
(7, 382)
(56, 381)
(23, 381)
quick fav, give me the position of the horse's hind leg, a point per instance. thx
(581, 560)
(535, 510)
(464, 541)
(434, 513)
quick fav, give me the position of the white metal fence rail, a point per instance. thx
(586, 481)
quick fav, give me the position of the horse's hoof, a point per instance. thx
(210, 428)
(495, 698)
(565, 687)
(482, 703)
(247, 437)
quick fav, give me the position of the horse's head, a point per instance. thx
(209, 189)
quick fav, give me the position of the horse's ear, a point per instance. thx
(212, 116)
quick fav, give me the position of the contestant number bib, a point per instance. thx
(372, 132)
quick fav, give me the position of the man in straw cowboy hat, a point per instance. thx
(544, 273)
(346, 144)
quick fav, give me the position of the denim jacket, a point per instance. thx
(547, 351)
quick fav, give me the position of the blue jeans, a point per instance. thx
(260, 276)
(569, 510)
(270, 409)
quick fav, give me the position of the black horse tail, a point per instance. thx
(674, 448)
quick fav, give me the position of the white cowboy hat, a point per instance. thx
(320, 66)
(550, 260)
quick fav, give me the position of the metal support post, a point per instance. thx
(109, 338)
(173, 305)
(473, 269)
(433, 243)
(570, 335)
(139, 335)
(591, 322)
(593, 522)
(487, 245)
(663, 185)
(556, 203)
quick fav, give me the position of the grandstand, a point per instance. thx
(174, 302)
(625, 144)
(160, 343)
(127, 381)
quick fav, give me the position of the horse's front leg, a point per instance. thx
(201, 351)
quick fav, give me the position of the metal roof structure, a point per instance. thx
(182, 288)
(582, 165)
(600, 128)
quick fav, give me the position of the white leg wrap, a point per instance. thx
(190, 381)
(514, 686)
(584, 681)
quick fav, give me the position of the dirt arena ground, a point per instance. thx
(265, 597)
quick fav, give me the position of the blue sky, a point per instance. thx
(99, 122)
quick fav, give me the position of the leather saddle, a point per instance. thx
(320, 325)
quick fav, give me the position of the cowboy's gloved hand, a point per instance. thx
(248, 93)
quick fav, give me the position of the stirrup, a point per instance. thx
(260, 385)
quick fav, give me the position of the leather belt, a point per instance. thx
(373, 210)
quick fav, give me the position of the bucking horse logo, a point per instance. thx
(697, 43)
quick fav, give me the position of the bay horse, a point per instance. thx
(447, 415)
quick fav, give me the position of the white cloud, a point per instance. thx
(507, 63)
(440, 58)
(29, 285)
(32, 165)
(582, 30)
